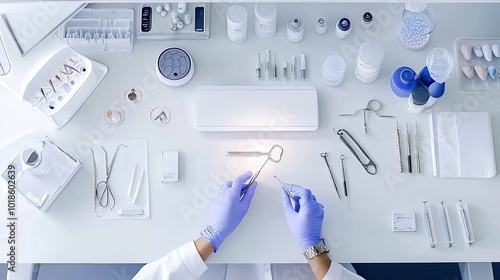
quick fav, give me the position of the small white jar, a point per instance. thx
(343, 28)
(295, 29)
(237, 23)
(367, 20)
(266, 15)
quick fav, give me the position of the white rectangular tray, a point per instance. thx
(254, 108)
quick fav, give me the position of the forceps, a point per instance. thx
(370, 166)
(106, 194)
(372, 105)
(274, 155)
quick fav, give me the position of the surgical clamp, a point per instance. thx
(370, 166)
(372, 105)
(276, 150)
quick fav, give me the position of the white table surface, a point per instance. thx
(68, 231)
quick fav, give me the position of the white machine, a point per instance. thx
(52, 80)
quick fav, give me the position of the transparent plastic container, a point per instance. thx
(417, 24)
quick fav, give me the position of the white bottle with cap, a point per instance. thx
(266, 15)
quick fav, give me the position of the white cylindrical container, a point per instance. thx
(343, 28)
(266, 15)
(370, 57)
(333, 70)
(237, 23)
(295, 29)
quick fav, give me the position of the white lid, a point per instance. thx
(265, 11)
(415, 7)
(371, 53)
(334, 67)
(237, 14)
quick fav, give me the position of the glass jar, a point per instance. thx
(417, 24)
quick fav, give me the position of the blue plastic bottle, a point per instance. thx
(403, 81)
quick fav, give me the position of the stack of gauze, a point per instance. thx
(333, 70)
(370, 56)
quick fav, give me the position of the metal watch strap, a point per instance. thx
(316, 250)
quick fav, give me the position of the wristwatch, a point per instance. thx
(316, 250)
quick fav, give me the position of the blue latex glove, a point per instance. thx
(307, 222)
(226, 209)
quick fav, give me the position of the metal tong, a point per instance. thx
(369, 166)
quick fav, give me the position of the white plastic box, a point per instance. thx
(100, 30)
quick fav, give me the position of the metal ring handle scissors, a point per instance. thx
(369, 166)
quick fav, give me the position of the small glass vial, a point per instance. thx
(343, 29)
(266, 15)
(320, 25)
(418, 97)
(295, 29)
(236, 23)
(367, 20)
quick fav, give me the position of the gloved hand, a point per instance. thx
(305, 224)
(226, 209)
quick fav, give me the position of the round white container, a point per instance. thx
(295, 29)
(333, 70)
(266, 15)
(237, 23)
(370, 57)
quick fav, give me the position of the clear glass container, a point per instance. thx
(417, 24)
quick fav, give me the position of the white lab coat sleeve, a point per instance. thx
(338, 272)
(183, 263)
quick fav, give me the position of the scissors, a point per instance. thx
(372, 105)
(103, 193)
(274, 155)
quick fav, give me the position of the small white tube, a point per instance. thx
(138, 186)
(132, 178)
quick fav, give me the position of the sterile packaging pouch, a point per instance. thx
(462, 145)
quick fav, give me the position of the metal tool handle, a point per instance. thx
(370, 166)
(247, 153)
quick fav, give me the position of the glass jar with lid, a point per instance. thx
(417, 24)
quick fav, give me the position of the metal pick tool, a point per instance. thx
(290, 195)
(342, 157)
(324, 155)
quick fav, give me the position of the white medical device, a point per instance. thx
(52, 80)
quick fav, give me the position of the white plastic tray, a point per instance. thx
(476, 84)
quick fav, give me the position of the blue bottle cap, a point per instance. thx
(403, 81)
(425, 77)
(344, 24)
(420, 94)
(436, 89)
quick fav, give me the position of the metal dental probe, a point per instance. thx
(324, 155)
(342, 157)
(417, 148)
(398, 147)
(408, 148)
(290, 195)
